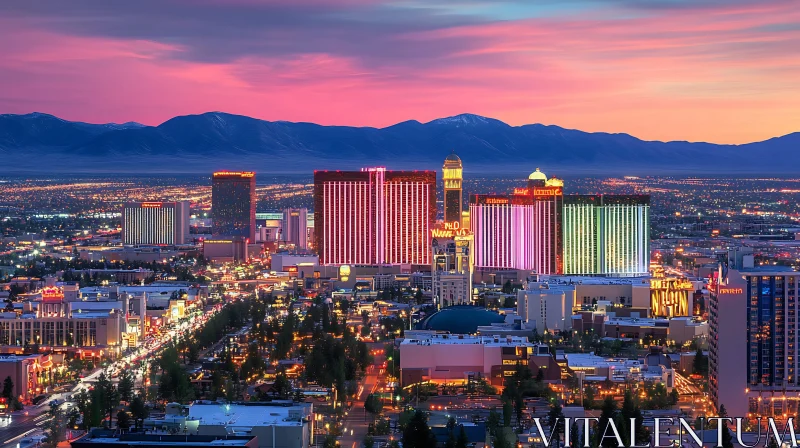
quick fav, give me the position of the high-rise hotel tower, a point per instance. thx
(606, 235)
(155, 223)
(233, 204)
(453, 198)
(521, 230)
(754, 344)
(374, 216)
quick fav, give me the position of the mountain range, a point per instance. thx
(201, 143)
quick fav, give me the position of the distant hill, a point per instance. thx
(201, 143)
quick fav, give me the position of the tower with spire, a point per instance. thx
(453, 199)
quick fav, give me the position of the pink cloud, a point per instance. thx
(723, 75)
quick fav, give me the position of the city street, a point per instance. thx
(20, 425)
(357, 419)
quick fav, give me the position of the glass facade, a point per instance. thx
(771, 330)
(233, 204)
(55, 332)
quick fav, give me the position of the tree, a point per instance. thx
(108, 396)
(123, 420)
(574, 436)
(658, 398)
(462, 441)
(282, 387)
(727, 438)
(330, 442)
(8, 388)
(674, 396)
(502, 439)
(555, 419)
(700, 364)
(125, 386)
(607, 411)
(631, 410)
(588, 397)
(418, 297)
(373, 405)
(451, 437)
(139, 411)
(418, 434)
(55, 426)
(507, 410)
(369, 442)
(493, 422)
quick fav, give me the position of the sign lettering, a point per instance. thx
(497, 201)
(731, 290)
(547, 192)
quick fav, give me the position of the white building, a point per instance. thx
(282, 260)
(155, 223)
(546, 307)
(451, 288)
(627, 291)
(277, 424)
(295, 227)
(452, 269)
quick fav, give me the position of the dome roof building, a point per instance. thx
(537, 175)
(460, 319)
(554, 182)
(537, 179)
(452, 159)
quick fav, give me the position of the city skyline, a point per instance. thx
(399, 223)
(725, 75)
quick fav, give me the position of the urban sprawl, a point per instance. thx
(376, 308)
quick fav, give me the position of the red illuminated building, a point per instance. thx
(521, 230)
(374, 216)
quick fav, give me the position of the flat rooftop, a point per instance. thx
(245, 416)
(766, 270)
(589, 360)
(465, 339)
(586, 280)
(106, 438)
(16, 358)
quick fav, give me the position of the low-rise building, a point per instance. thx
(454, 358)
(275, 424)
(104, 438)
(546, 307)
(625, 291)
(28, 373)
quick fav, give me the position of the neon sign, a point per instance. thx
(547, 192)
(152, 204)
(52, 293)
(235, 173)
(449, 230)
(498, 201)
(522, 191)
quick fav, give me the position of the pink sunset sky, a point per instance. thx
(724, 71)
